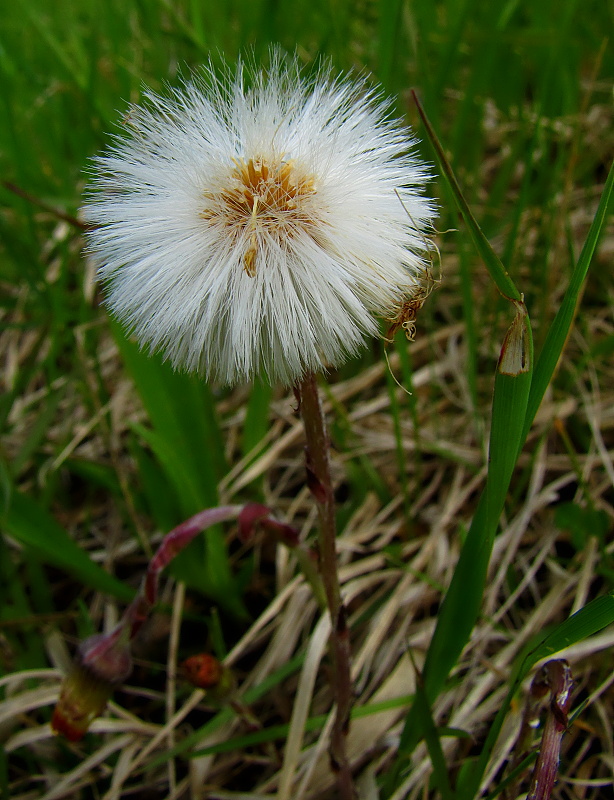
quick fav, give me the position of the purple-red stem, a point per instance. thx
(104, 661)
(172, 544)
(557, 676)
(320, 483)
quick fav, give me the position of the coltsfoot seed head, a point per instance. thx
(258, 223)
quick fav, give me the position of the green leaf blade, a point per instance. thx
(34, 527)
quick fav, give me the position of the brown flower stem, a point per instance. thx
(321, 486)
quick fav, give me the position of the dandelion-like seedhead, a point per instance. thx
(259, 222)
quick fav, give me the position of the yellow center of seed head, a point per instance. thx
(262, 196)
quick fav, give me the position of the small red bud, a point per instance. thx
(205, 672)
(202, 670)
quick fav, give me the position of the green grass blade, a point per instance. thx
(273, 733)
(560, 327)
(180, 410)
(492, 261)
(389, 30)
(256, 416)
(590, 619)
(34, 527)
(179, 475)
(36, 434)
(461, 605)
(433, 743)
(187, 442)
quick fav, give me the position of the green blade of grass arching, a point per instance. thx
(187, 442)
(491, 260)
(561, 325)
(592, 618)
(34, 527)
(431, 738)
(460, 608)
(389, 30)
(19, 608)
(182, 417)
(256, 422)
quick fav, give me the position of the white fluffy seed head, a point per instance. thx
(259, 223)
